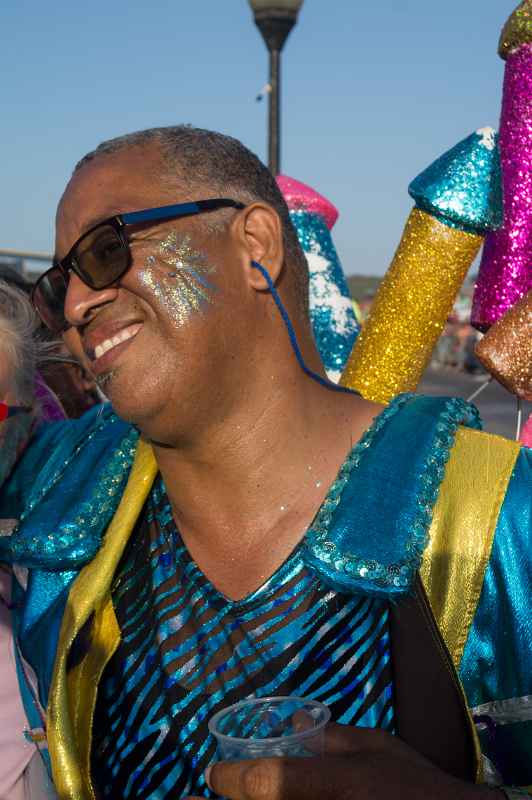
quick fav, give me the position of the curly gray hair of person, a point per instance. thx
(18, 324)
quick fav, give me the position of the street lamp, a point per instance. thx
(275, 19)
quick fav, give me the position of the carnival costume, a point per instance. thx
(456, 511)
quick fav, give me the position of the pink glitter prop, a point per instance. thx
(301, 197)
(526, 433)
(505, 273)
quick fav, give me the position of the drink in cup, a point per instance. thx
(270, 726)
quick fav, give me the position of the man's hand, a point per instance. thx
(358, 764)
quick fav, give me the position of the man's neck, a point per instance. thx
(260, 478)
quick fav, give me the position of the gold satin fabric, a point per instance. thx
(463, 526)
(73, 697)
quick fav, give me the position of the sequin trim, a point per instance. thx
(396, 576)
(87, 523)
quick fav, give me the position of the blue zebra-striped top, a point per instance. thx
(187, 651)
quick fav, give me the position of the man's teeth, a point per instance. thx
(108, 344)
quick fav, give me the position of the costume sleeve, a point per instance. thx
(496, 668)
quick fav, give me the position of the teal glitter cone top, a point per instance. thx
(462, 188)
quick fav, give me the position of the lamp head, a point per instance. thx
(275, 19)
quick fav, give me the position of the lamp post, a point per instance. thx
(275, 19)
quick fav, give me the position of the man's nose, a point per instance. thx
(82, 302)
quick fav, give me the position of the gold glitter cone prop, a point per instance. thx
(411, 307)
(506, 349)
(455, 198)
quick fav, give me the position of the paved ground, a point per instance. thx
(498, 408)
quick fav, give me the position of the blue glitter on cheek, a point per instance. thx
(178, 278)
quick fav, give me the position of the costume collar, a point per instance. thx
(371, 531)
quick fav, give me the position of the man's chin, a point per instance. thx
(128, 402)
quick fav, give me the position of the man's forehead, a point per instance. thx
(110, 184)
(106, 179)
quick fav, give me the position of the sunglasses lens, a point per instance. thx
(101, 257)
(49, 299)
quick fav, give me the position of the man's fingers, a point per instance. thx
(344, 740)
(272, 779)
(324, 776)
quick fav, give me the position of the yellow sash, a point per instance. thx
(73, 697)
(463, 526)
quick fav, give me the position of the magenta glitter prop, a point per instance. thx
(505, 273)
(300, 197)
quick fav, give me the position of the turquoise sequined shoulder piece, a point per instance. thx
(371, 531)
(64, 491)
(76, 479)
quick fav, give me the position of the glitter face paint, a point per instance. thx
(506, 349)
(505, 272)
(178, 277)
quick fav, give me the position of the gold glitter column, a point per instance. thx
(411, 307)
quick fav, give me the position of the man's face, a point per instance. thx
(154, 338)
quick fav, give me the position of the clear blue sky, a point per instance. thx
(373, 92)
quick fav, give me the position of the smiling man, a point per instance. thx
(253, 530)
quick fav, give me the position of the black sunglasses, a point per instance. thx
(102, 255)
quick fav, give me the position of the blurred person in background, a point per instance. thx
(22, 773)
(65, 385)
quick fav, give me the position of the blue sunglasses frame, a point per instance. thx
(49, 292)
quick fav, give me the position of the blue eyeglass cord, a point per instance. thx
(292, 335)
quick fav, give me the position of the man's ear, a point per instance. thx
(259, 231)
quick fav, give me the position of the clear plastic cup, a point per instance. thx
(270, 726)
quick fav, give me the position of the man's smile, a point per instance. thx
(105, 343)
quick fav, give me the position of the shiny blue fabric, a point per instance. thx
(374, 543)
(497, 660)
(61, 524)
(187, 651)
(366, 539)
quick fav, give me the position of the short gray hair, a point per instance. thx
(18, 324)
(203, 158)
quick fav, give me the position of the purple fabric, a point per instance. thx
(52, 410)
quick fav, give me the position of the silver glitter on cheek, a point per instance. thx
(104, 379)
(186, 288)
